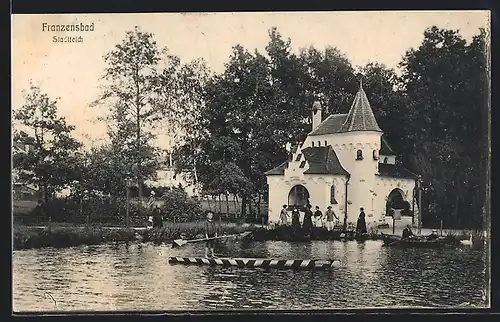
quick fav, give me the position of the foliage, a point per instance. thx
(29, 237)
(136, 100)
(50, 163)
(178, 206)
(188, 230)
(446, 82)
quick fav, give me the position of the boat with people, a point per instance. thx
(430, 241)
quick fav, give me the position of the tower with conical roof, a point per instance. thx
(338, 166)
(356, 139)
(360, 116)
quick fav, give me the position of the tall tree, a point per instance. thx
(382, 88)
(445, 80)
(50, 163)
(137, 94)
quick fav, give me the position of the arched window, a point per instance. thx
(319, 143)
(359, 155)
(332, 195)
(386, 160)
(326, 143)
(313, 144)
(298, 196)
(375, 155)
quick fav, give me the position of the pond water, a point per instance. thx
(138, 277)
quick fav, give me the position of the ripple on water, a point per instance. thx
(118, 278)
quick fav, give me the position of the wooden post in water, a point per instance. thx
(393, 225)
(420, 205)
(441, 227)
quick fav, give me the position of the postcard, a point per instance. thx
(259, 161)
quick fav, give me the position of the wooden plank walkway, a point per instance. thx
(302, 264)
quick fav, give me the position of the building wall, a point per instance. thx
(166, 179)
(365, 188)
(361, 186)
(318, 187)
(384, 186)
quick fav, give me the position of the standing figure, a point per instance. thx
(318, 216)
(295, 217)
(361, 224)
(210, 232)
(329, 218)
(283, 216)
(157, 217)
(307, 224)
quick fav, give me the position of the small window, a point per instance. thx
(332, 196)
(319, 143)
(375, 155)
(313, 144)
(359, 155)
(298, 157)
(302, 164)
(386, 160)
(326, 143)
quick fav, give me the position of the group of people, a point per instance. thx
(311, 219)
(317, 219)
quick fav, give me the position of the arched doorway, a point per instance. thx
(395, 200)
(298, 196)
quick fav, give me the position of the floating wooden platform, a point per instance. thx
(302, 264)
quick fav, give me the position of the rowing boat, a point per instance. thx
(414, 242)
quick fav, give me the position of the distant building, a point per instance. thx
(166, 177)
(345, 162)
(20, 190)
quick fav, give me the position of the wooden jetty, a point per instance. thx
(300, 264)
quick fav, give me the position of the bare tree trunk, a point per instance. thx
(227, 204)
(258, 204)
(235, 206)
(220, 204)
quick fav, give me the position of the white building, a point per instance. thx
(166, 177)
(346, 163)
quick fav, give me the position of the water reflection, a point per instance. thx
(137, 277)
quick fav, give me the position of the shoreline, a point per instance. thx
(61, 236)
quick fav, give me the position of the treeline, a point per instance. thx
(230, 128)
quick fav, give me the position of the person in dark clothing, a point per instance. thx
(210, 232)
(318, 216)
(407, 233)
(157, 217)
(295, 217)
(307, 224)
(361, 224)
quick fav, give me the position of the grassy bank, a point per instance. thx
(26, 237)
(32, 237)
(66, 236)
(189, 230)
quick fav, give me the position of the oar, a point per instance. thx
(182, 242)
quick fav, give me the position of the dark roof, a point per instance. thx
(395, 171)
(359, 118)
(332, 124)
(323, 160)
(279, 170)
(385, 149)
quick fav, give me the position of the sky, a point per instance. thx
(71, 71)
